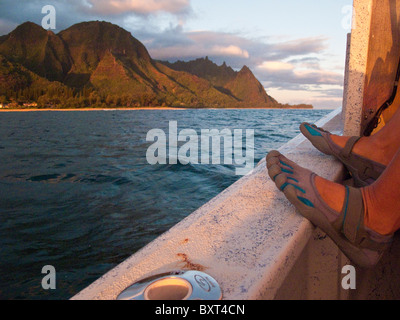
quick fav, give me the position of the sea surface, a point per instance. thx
(77, 192)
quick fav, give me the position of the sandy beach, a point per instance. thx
(141, 108)
(89, 109)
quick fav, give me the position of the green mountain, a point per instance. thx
(38, 50)
(219, 76)
(242, 86)
(98, 64)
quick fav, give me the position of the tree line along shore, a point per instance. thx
(68, 98)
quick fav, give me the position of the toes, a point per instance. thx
(273, 154)
(278, 176)
(272, 161)
(275, 157)
(277, 164)
(289, 164)
(287, 177)
(281, 181)
(309, 130)
(304, 124)
(274, 171)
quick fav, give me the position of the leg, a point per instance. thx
(380, 147)
(382, 200)
(364, 170)
(366, 157)
(347, 215)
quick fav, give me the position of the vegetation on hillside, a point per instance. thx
(98, 64)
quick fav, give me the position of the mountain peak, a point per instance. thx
(27, 30)
(245, 70)
(207, 69)
(242, 86)
(89, 41)
(27, 24)
(100, 25)
(38, 50)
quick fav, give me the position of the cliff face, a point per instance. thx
(104, 61)
(248, 89)
(242, 86)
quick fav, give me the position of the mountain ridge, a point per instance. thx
(100, 64)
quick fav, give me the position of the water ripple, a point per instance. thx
(78, 194)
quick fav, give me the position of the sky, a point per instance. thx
(295, 48)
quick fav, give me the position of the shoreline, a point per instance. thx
(143, 108)
(87, 109)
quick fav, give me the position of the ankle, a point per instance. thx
(367, 147)
(377, 216)
(373, 149)
(332, 193)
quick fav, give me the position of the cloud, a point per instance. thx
(307, 62)
(230, 51)
(276, 66)
(318, 77)
(321, 96)
(302, 46)
(233, 48)
(285, 76)
(293, 67)
(175, 44)
(106, 7)
(298, 71)
(70, 12)
(6, 26)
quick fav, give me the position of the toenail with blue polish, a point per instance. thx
(314, 132)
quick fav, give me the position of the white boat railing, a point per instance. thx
(249, 238)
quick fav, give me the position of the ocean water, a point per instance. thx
(77, 193)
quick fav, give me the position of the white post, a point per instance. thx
(356, 67)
